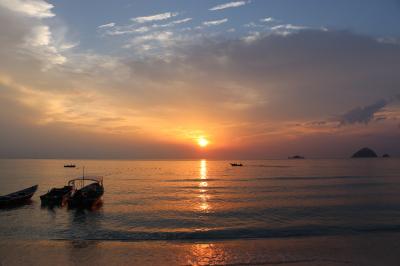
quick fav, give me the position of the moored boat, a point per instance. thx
(87, 191)
(236, 164)
(18, 197)
(57, 196)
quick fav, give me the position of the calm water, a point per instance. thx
(209, 200)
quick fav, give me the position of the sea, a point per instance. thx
(206, 212)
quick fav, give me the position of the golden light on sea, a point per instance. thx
(204, 197)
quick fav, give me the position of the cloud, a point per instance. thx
(141, 29)
(282, 29)
(67, 46)
(108, 25)
(267, 19)
(362, 114)
(157, 17)
(366, 114)
(124, 30)
(253, 25)
(112, 29)
(390, 40)
(28, 37)
(40, 43)
(182, 21)
(253, 36)
(215, 22)
(229, 5)
(172, 23)
(40, 36)
(156, 36)
(288, 27)
(151, 41)
(32, 8)
(285, 29)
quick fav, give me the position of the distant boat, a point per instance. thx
(57, 196)
(87, 191)
(296, 157)
(236, 164)
(69, 165)
(18, 197)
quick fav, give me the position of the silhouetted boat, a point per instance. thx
(69, 165)
(57, 196)
(18, 197)
(236, 164)
(296, 157)
(87, 191)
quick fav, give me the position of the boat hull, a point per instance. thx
(57, 196)
(17, 198)
(86, 197)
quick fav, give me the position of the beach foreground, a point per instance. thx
(367, 249)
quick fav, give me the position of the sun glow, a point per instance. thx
(203, 142)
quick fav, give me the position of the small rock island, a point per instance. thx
(364, 153)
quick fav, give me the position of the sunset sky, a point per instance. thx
(198, 79)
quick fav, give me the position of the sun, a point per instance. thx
(203, 142)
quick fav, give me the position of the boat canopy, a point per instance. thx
(97, 179)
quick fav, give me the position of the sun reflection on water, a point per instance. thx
(204, 205)
(203, 169)
(207, 254)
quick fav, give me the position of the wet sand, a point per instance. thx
(367, 249)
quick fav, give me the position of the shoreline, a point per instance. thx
(366, 249)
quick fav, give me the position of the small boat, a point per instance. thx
(87, 191)
(57, 196)
(69, 165)
(18, 197)
(236, 164)
(296, 157)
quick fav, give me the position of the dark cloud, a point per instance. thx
(366, 114)
(362, 114)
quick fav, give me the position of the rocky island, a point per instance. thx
(364, 153)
